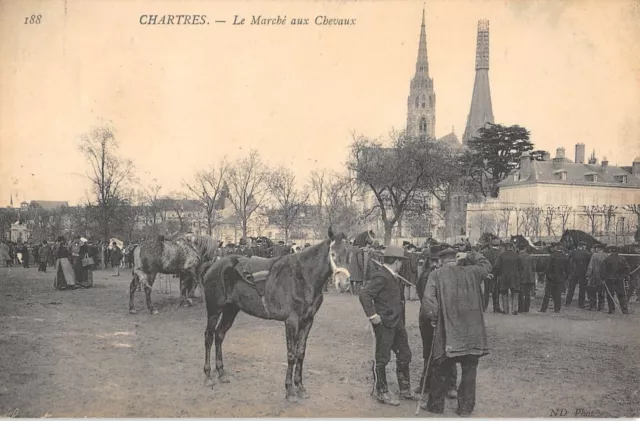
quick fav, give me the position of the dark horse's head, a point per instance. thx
(338, 251)
(364, 239)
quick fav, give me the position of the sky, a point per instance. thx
(182, 97)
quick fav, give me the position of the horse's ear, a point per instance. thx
(331, 236)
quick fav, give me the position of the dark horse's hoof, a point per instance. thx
(302, 394)
(292, 399)
(154, 311)
(208, 382)
(224, 379)
(133, 311)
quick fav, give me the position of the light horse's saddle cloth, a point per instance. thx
(254, 270)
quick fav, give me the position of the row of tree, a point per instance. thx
(552, 221)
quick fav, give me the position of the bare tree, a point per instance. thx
(396, 174)
(318, 181)
(342, 213)
(505, 219)
(248, 182)
(609, 212)
(209, 188)
(484, 222)
(564, 212)
(152, 205)
(592, 211)
(549, 216)
(289, 199)
(109, 175)
(635, 209)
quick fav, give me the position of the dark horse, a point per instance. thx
(291, 293)
(571, 238)
(364, 239)
(183, 257)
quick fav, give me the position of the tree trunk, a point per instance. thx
(388, 231)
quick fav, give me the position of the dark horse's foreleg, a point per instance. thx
(212, 321)
(303, 334)
(135, 283)
(291, 327)
(229, 313)
(147, 292)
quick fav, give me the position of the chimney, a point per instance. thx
(635, 167)
(579, 153)
(525, 164)
(546, 156)
(558, 161)
(593, 160)
(605, 164)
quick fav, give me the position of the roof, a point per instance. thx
(451, 139)
(545, 172)
(48, 204)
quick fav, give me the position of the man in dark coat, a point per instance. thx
(595, 278)
(453, 302)
(578, 264)
(43, 256)
(507, 270)
(556, 276)
(615, 270)
(527, 280)
(383, 303)
(409, 271)
(490, 283)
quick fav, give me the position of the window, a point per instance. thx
(622, 178)
(563, 176)
(516, 177)
(442, 206)
(423, 101)
(417, 102)
(592, 177)
(423, 125)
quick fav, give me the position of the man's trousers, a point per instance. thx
(466, 390)
(616, 287)
(596, 296)
(581, 282)
(552, 290)
(524, 299)
(491, 288)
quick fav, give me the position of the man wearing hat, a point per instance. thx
(615, 269)
(556, 276)
(453, 302)
(508, 270)
(490, 283)
(595, 282)
(383, 302)
(578, 264)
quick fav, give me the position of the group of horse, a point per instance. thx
(288, 288)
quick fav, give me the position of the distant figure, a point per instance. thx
(527, 280)
(43, 256)
(116, 258)
(615, 271)
(507, 270)
(556, 276)
(578, 264)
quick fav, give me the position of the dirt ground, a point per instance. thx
(81, 354)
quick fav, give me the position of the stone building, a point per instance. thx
(541, 198)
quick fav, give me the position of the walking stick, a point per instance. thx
(611, 296)
(426, 372)
(373, 365)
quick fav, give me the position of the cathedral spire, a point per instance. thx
(422, 63)
(481, 111)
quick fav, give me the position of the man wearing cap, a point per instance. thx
(615, 269)
(490, 283)
(557, 273)
(595, 282)
(578, 264)
(383, 303)
(453, 302)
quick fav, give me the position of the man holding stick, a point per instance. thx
(383, 303)
(453, 300)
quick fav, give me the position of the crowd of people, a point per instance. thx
(454, 286)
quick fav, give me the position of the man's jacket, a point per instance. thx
(558, 267)
(615, 267)
(383, 295)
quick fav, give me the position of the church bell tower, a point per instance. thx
(421, 103)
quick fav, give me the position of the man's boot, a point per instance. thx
(504, 302)
(404, 383)
(514, 302)
(382, 391)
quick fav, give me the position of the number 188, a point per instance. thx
(33, 19)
